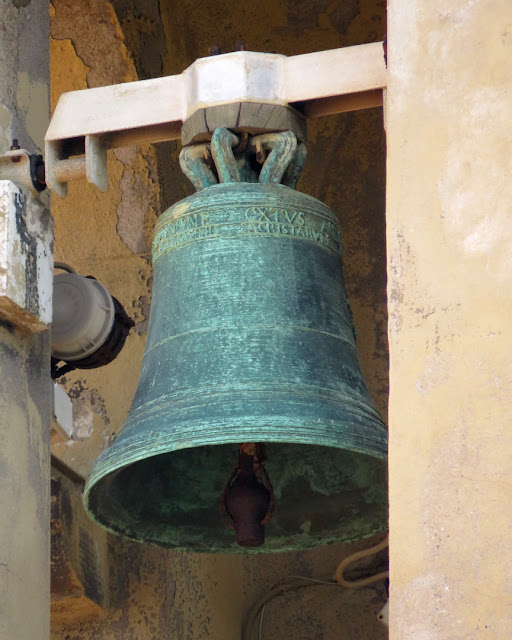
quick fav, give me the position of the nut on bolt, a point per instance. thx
(14, 147)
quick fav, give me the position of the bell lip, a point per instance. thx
(238, 550)
(261, 550)
(135, 449)
(97, 474)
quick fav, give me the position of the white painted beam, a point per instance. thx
(93, 120)
(337, 72)
(243, 76)
(118, 107)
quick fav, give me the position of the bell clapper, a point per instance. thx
(247, 500)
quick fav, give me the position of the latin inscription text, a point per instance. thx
(254, 220)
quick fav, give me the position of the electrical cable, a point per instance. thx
(309, 580)
(292, 583)
(354, 584)
(64, 267)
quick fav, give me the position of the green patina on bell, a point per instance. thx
(250, 341)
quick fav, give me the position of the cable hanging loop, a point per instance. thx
(354, 584)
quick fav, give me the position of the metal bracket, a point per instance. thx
(384, 615)
(23, 169)
(87, 123)
(62, 412)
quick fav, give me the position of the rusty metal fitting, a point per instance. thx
(22, 168)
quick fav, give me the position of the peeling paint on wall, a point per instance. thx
(117, 225)
(32, 99)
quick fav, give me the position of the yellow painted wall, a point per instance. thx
(158, 594)
(450, 275)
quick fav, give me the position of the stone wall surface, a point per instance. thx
(157, 594)
(450, 275)
(24, 356)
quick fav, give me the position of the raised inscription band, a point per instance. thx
(242, 221)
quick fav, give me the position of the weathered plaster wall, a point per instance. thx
(24, 358)
(156, 594)
(24, 490)
(450, 267)
(104, 235)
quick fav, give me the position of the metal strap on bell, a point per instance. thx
(251, 411)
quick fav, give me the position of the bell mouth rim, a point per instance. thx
(375, 530)
(103, 470)
(137, 449)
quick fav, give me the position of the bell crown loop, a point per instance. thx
(233, 159)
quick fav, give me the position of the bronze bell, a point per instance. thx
(251, 411)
